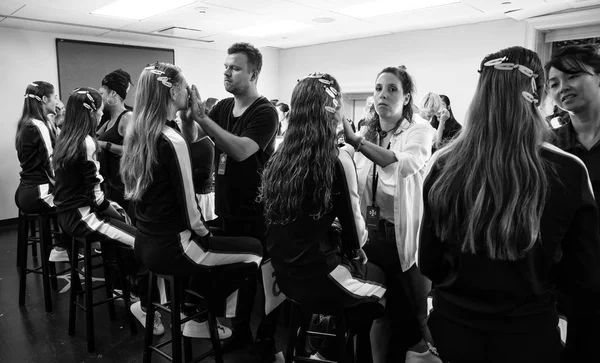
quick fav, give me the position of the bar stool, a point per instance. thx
(27, 236)
(298, 332)
(173, 308)
(89, 304)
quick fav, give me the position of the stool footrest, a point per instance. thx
(204, 356)
(163, 354)
(162, 344)
(302, 359)
(320, 334)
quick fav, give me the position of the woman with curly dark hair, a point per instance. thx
(306, 185)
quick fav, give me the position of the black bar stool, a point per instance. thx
(28, 236)
(298, 332)
(110, 260)
(173, 308)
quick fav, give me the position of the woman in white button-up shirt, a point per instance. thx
(397, 144)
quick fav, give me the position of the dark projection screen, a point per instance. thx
(84, 64)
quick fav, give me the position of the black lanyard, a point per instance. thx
(375, 173)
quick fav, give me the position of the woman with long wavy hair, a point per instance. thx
(306, 185)
(391, 152)
(508, 218)
(156, 168)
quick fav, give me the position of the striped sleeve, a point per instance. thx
(354, 232)
(180, 170)
(92, 179)
(46, 149)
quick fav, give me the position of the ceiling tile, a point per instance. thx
(69, 16)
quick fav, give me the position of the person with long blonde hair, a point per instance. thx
(507, 219)
(306, 185)
(156, 168)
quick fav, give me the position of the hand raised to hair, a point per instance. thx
(444, 115)
(196, 104)
(349, 134)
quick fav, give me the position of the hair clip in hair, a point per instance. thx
(33, 96)
(87, 106)
(325, 81)
(494, 62)
(165, 81)
(336, 103)
(506, 66)
(529, 97)
(330, 109)
(330, 92)
(33, 84)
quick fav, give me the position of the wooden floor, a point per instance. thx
(29, 334)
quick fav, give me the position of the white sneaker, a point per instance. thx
(132, 297)
(136, 310)
(194, 329)
(58, 255)
(316, 356)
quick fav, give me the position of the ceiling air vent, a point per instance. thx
(181, 32)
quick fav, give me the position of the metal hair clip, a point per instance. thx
(33, 96)
(33, 84)
(493, 62)
(165, 81)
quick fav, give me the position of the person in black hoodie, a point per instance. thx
(508, 219)
(35, 141)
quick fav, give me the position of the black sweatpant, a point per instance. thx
(268, 324)
(231, 260)
(400, 307)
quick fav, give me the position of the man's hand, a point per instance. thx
(196, 104)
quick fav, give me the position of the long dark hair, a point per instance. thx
(490, 193)
(408, 88)
(308, 153)
(80, 121)
(33, 106)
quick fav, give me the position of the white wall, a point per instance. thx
(442, 60)
(28, 56)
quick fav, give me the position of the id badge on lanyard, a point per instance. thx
(373, 210)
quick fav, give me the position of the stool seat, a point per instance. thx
(173, 308)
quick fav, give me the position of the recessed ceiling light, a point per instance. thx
(385, 7)
(140, 9)
(323, 20)
(201, 10)
(275, 28)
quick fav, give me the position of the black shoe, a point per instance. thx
(241, 338)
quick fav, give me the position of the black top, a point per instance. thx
(111, 162)
(34, 150)
(566, 139)
(78, 184)
(307, 248)
(169, 204)
(236, 191)
(517, 296)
